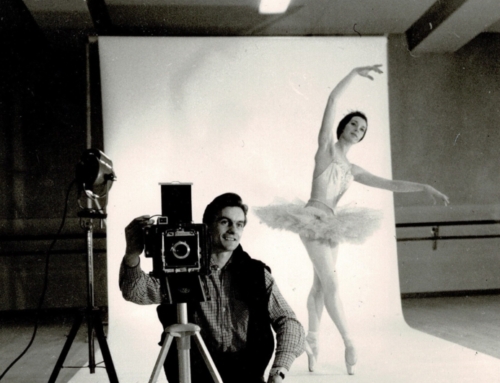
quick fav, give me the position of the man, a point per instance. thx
(245, 303)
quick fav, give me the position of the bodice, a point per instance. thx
(329, 186)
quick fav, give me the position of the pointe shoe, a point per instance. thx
(311, 356)
(350, 359)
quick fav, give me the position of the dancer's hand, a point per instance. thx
(365, 70)
(437, 195)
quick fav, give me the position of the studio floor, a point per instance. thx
(472, 322)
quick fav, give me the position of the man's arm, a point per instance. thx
(137, 286)
(289, 332)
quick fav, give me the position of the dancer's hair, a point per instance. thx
(347, 118)
(221, 202)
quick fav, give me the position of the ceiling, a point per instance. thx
(430, 25)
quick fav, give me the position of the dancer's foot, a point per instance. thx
(350, 358)
(311, 348)
(311, 359)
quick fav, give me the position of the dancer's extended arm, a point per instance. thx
(366, 178)
(326, 132)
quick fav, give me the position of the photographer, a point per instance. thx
(245, 303)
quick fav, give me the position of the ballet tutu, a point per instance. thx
(349, 224)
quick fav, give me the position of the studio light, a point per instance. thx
(94, 177)
(273, 6)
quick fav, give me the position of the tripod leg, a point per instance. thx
(67, 346)
(106, 354)
(207, 358)
(161, 358)
(183, 347)
(90, 337)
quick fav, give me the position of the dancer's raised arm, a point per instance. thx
(366, 178)
(326, 132)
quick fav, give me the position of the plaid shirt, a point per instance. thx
(224, 319)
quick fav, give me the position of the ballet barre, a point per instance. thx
(436, 235)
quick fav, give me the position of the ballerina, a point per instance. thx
(322, 225)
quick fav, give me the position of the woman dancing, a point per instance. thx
(322, 225)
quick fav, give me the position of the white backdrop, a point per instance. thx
(242, 115)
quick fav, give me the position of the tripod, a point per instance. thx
(183, 331)
(91, 313)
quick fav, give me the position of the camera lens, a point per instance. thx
(181, 250)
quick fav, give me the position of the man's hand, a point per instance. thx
(134, 237)
(275, 379)
(275, 375)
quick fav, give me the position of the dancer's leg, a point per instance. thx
(315, 304)
(324, 259)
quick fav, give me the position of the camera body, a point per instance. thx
(177, 248)
(180, 249)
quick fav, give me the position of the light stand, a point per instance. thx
(94, 175)
(91, 313)
(183, 331)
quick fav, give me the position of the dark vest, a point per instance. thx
(249, 277)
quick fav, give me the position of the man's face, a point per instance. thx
(227, 229)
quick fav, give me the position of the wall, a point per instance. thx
(444, 116)
(444, 111)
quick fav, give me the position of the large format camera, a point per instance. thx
(179, 248)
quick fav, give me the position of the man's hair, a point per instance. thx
(343, 123)
(221, 202)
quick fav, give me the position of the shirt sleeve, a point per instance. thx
(290, 334)
(139, 287)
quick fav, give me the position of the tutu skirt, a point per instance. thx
(349, 224)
